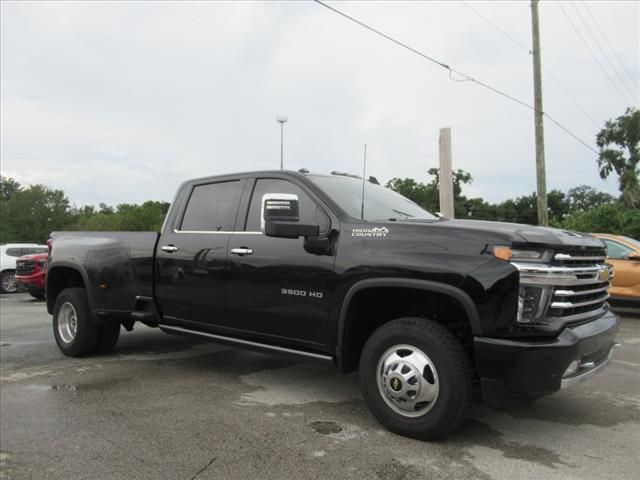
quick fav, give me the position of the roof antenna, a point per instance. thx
(364, 177)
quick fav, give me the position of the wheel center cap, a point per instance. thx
(396, 384)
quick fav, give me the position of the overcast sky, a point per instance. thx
(120, 102)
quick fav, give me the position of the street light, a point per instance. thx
(282, 121)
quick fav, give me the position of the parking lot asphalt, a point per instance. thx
(166, 407)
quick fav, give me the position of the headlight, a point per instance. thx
(515, 254)
(533, 300)
(532, 303)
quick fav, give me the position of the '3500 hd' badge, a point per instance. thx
(370, 232)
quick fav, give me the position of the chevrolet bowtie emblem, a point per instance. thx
(603, 276)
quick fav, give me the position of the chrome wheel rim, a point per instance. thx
(67, 322)
(407, 380)
(9, 283)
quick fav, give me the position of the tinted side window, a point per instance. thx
(617, 251)
(309, 211)
(29, 251)
(212, 207)
(14, 252)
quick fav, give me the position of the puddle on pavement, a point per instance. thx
(105, 385)
(325, 428)
(300, 384)
(474, 433)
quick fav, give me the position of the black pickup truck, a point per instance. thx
(341, 269)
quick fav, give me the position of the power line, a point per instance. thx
(451, 70)
(597, 43)
(528, 50)
(592, 54)
(606, 39)
(505, 33)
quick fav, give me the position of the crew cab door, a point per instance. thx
(192, 257)
(278, 290)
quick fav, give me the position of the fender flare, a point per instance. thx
(85, 278)
(428, 286)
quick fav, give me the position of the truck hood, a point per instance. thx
(528, 233)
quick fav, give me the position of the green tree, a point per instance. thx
(583, 198)
(425, 195)
(607, 218)
(8, 187)
(31, 214)
(125, 217)
(619, 143)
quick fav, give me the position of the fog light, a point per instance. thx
(571, 369)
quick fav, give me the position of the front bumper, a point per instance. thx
(31, 284)
(509, 368)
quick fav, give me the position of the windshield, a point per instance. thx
(380, 203)
(631, 242)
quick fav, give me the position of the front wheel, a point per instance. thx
(8, 282)
(75, 332)
(416, 378)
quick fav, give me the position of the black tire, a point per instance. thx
(72, 304)
(107, 338)
(8, 282)
(38, 296)
(452, 379)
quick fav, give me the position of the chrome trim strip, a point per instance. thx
(565, 256)
(568, 382)
(530, 269)
(247, 342)
(560, 276)
(221, 232)
(556, 280)
(571, 293)
(579, 304)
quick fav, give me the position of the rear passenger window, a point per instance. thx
(29, 251)
(212, 207)
(309, 211)
(14, 252)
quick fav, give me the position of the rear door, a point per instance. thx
(192, 257)
(276, 288)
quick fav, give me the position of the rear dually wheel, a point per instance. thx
(75, 332)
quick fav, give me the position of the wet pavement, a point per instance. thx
(166, 407)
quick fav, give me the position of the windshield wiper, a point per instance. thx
(402, 213)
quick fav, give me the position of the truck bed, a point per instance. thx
(118, 266)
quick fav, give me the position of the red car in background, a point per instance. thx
(31, 274)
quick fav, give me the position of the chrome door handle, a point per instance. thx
(169, 248)
(242, 251)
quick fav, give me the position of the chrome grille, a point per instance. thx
(579, 257)
(25, 267)
(578, 280)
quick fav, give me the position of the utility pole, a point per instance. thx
(541, 175)
(282, 121)
(446, 174)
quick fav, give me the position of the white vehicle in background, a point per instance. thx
(9, 253)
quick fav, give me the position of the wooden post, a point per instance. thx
(541, 175)
(446, 174)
